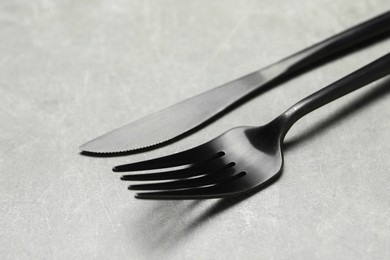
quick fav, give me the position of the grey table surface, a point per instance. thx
(72, 70)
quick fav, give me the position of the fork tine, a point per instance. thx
(201, 169)
(190, 156)
(224, 189)
(209, 179)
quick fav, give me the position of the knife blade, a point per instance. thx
(182, 117)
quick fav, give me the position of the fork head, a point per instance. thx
(237, 162)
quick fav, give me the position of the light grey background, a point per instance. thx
(72, 70)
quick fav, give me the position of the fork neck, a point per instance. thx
(365, 75)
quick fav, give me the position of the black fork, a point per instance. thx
(242, 159)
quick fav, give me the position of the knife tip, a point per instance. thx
(83, 148)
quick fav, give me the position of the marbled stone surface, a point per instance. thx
(72, 70)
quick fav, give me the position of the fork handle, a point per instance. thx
(363, 76)
(367, 31)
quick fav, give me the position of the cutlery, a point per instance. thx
(192, 113)
(242, 159)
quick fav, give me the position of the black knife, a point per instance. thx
(178, 119)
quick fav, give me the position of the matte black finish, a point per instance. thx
(242, 159)
(180, 118)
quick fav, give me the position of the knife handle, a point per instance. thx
(363, 33)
